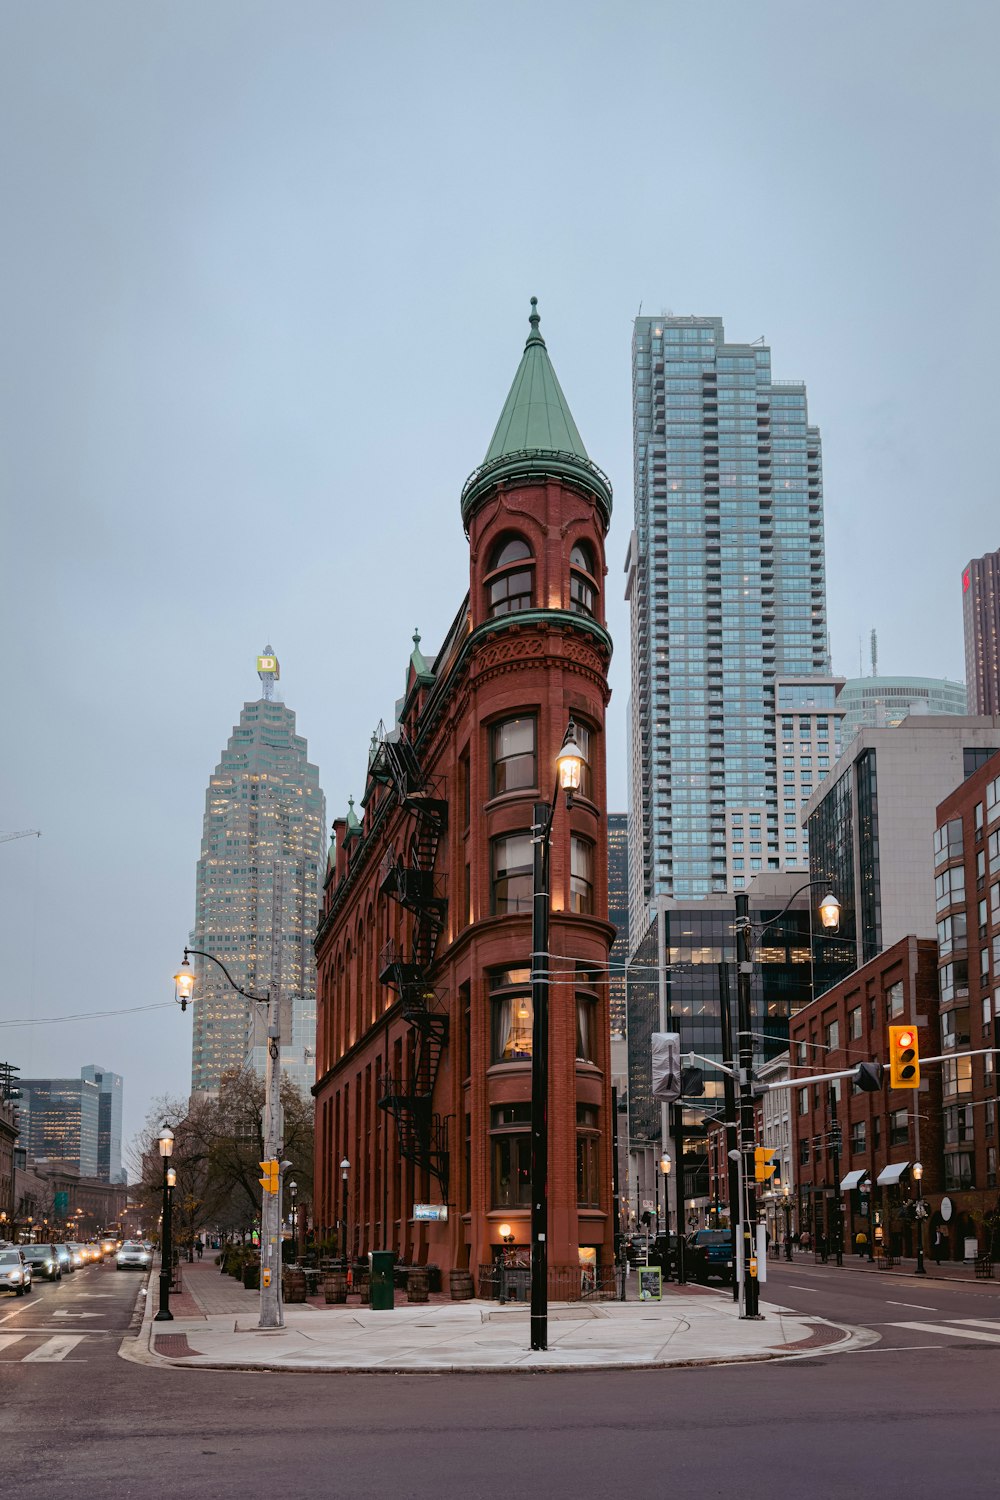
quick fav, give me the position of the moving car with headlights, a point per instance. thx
(15, 1273)
(132, 1257)
(65, 1258)
(43, 1260)
(77, 1254)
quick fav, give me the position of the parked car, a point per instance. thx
(132, 1256)
(15, 1273)
(665, 1253)
(43, 1260)
(708, 1253)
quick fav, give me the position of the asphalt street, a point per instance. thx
(911, 1420)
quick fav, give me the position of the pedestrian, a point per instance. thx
(201, 1249)
(861, 1242)
(821, 1246)
(938, 1246)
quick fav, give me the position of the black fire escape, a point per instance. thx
(410, 880)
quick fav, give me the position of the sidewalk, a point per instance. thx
(689, 1327)
(948, 1270)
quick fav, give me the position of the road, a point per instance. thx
(914, 1422)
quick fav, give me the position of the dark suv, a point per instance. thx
(709, 1253)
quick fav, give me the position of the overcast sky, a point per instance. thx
(265, 272)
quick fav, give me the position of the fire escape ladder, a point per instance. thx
(411, 881)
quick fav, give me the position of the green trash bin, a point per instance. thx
(380, 1278)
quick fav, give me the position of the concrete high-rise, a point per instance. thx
(727, 585)
(618, 916)
(262, 855)
(981, 618)
(109, 1121)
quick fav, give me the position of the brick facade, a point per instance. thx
(538, 664)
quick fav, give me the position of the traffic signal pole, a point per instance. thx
(748, 1207)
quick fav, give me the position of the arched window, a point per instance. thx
(510, 577)
(582, 580)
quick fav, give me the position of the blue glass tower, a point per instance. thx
(727, 585)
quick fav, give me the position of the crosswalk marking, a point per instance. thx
(53, 1349)
(6, 1339)
(979, 1322)
(958, 1330)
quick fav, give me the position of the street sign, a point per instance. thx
(62, 1204)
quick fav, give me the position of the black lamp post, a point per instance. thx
(293, 1188)
(745, 943)
(166, 1143)
(569, 768)
(345, 1167)
(917, 1172)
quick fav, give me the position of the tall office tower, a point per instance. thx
(262, 854)
(618, 916)
(884, 702)
(59, 1120)
(727, 586)
(109, 1122)
(981, 617)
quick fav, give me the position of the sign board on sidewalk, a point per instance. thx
(650, 1289)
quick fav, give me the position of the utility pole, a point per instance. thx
(748, 1207)
(271, 1314)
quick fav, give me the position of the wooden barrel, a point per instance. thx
(294, 1288)
(460, 1286)
(335, 1286)
(417, 1285)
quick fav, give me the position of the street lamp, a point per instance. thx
(271, 1315)
(293, 1188)
(569, 770)
(345, 1167)
(665, 1165)
(787, 1205)
(917, 1171)
(166, 1144)
(829, 910)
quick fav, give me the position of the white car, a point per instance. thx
(15, 1273)
(132, 1256)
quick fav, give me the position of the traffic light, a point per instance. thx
(763, 1166)
(904, 1058)
(269, 1181)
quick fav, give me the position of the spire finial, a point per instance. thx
(416, 636)
(534, 337)
(350, 803)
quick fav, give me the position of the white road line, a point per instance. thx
(6, 1339)
(62, 1313)
(896, 1349)
(793, 1288)
(956, 1332)
(53, 1349)
(920, 1306)
(978, 1322)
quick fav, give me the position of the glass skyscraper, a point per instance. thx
(618, 915)
(59, 1123)
(109, 1121)
(262, 857)
(727, 586)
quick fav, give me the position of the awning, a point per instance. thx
(889, 1176)
(853, 1180)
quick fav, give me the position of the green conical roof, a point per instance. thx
(535, 415)
(536, 435)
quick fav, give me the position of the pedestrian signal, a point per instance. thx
(269, 1181)
(763, 1166)
(904, 1058)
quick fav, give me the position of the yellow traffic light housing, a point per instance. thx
(763, 1166)
(269, 1181)
(904, 1058)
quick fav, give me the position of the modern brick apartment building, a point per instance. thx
(878, 1131)
(967, 897)
(424, 1025)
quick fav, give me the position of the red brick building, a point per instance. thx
(424, 1011)
(967, 898)
(878, 1131)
